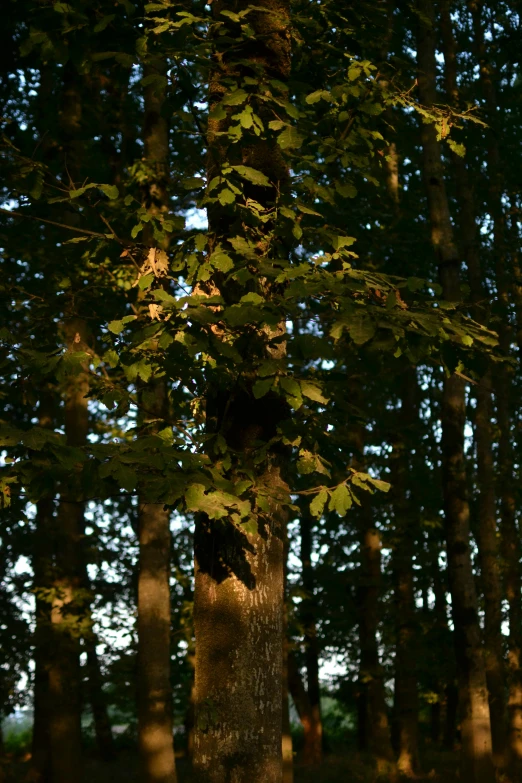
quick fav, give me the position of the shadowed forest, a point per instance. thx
(260, 329)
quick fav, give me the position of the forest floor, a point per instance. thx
(336, 768)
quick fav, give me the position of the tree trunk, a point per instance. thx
(42, 562)
(313, 740)
(476, 753)
(238, 602)
(487, 523)
(98, 702)
(287, 746)
(299, 695)
(503, 382)
(154, 689)
(155, 729)
(69, 606)
(406, 697)
(371, 684)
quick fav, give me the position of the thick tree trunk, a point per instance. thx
(487, 533)
(238, 620)
(476, 753)
(313, 744)
(238, 602)
(406, 697)
(155, 729)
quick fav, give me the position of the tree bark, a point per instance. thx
(42, 562)
(313, 738)
(154, 689)
(69, 605)
(376, 733)
(406, 697)
(287, 745)
(155, 729)
(476, 753)
(238, 603)
(487, 533)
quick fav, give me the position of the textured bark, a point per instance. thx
(239, 622)
(406, 697)
(476, 753)
(287, 746)
(154, 689)
(155, 730)
(313, 737)
(486, 529)
(238, 603)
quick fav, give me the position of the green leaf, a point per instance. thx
(118, 326)
(318, 503)
(361, 330)
(347, 190)
(306, 463)
(252, 298)
(221, 260)
(339, 241)
(318, 95)
(312, 391)
(290, 138)
(262, 387)
(458, 149)
(112, 358)
(382, 486)
(252, 175)
(145, 281)
(235, 98)
(103, 23)
(340, 500)
(212, 503)
(226, 196)
(9, 436)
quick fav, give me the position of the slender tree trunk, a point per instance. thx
(313, 740)
(487, 523)
(98, 702)
(43, 576)
(406, 697)
(509, 531)
(299, 695)
(476, 753)
(154, 689)
(155, 729)
(69, 606)
(371, 684)
(238, 607)
(287, 746)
